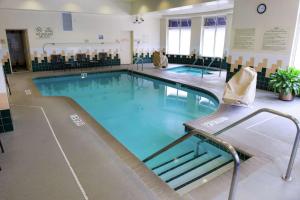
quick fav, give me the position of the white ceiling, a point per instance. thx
(84, 6)
(200, 8)
(116, 7)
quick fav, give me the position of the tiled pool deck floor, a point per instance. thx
(49, 157)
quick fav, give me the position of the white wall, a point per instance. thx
(278, 14)
(163, 33)
(195, 35)
(86, 27)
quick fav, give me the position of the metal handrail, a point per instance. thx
(235, 156)
(208, 136)
(209, 65)
(136, 60)
(202, 59)
(198, 58)
(286, 177)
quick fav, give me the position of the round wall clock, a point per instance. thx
(261, 8)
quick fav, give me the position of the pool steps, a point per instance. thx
(187, 170)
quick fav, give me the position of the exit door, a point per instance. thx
(18, 50)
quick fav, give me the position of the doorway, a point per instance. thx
(18, 47)
(126, 47)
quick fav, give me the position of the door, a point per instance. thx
(18, 50)
(126, 47)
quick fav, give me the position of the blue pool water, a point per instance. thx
(189, 70)
(142, 113)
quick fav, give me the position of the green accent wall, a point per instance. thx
(6, 67)
(262, 80)
(147, 58)
(6, 124)
(61, 63)
(183, 59)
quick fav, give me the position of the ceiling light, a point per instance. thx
(180, 8)
(138, 19)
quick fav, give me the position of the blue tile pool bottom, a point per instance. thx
(195, 71)
(146, 114)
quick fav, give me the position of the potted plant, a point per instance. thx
(286, 82)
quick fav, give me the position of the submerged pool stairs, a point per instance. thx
(185, 169)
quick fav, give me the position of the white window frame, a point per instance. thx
(180, 29)
(215, 33)
(295, 49)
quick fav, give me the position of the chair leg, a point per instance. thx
(1, 147)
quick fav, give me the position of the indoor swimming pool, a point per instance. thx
(194, 71)
(149, 113)
(146, 114)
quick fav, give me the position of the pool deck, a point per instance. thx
(47, 156)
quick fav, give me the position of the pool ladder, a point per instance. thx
(136, 61)
(231, 149)
(209, 65)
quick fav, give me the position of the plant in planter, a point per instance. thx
(286, 82)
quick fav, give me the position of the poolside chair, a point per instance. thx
(241, 88)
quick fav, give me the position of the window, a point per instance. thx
(179, 36)
(297, 54)
(213, 36)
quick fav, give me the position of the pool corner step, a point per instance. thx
(205, 177)
(182, 163)
(187, 171)
(193, 168)
(191, 164)
(172, 160)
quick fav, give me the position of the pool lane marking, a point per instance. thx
(61, 150)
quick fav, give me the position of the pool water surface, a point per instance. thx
(194, 71)
(142, 113)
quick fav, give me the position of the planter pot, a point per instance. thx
(286, 97)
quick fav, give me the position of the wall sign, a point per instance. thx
(275, 39)
(100, 37)
(244, 39)
(43, 33)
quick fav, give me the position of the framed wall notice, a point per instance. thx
(244, 38)
(275, 39)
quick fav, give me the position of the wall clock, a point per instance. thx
(261, 8)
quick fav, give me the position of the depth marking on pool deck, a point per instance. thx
(60, 148)
(214, 122)
(77, 120)
(27, 92)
